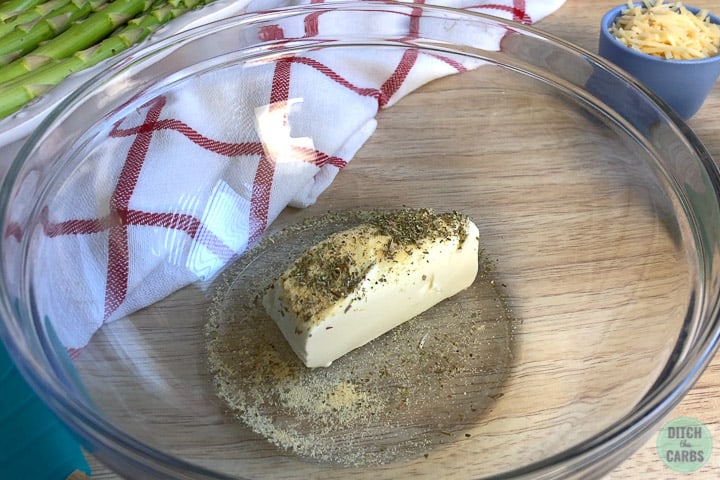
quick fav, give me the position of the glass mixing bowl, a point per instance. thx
(137, 243)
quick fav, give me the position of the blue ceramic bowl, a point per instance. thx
(683, 84)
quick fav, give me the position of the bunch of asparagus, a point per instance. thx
(42, 42)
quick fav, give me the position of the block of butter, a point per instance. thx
(362, 282)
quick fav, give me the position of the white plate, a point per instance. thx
(15, 127)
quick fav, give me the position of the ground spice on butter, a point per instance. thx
(411, 226)
(333, 268)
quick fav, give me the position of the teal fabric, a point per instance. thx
(34, 445)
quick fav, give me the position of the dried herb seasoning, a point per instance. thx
(267, 389)
(333, 269)
(410, 227)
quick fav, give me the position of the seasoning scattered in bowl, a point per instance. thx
(667, 30)
(672, 48)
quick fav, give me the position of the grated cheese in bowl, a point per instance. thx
(667, 30)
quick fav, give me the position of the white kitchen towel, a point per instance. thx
(186, 182)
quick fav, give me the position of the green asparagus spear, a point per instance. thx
(35, 13)
(26, 38)
(15, 7)
(80, 36)
(23, 89)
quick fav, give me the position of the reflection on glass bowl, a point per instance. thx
(596, 226)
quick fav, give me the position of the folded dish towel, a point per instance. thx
(189, 180)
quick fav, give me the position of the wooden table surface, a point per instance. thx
(577, 21)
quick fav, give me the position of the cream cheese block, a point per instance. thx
(360, 283)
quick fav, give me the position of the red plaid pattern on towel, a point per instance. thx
(205, 170)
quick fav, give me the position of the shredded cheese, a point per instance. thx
(667, 30)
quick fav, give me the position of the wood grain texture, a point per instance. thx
(577, 21)
(77, 475)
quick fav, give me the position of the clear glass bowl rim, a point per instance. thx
(97, 432)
